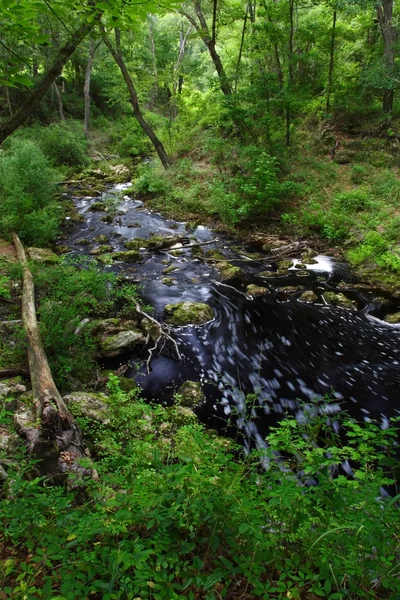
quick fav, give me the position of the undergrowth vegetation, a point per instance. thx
(175, 515)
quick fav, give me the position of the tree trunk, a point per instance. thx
(59, 102)
(155, 93)
(86, 87)
(57, 441)
(182, 47)
(40, 89)
(203, 31)
(241, 46)
(117, 55)
(290, 70)
(331, 63)
(389, 34)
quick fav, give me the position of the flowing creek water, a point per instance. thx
(291, 354)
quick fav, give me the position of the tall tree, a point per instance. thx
(116, 53)
(389, 36)
(200, 24)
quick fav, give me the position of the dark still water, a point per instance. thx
(291, 354)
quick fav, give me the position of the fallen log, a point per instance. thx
(55, 439)
(6, 373)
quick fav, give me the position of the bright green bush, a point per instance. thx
(27, 185)
(66, 296)
(65, 144)
(353, 200)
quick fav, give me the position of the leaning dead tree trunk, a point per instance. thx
(56, 441)
(117, 55)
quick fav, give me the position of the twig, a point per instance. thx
(162, 331)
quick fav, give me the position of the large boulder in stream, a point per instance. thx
(256, 291)
(190, 394)
(188, 313)
(122, 342)
(339, 300)
(228, 271)
(129, 256)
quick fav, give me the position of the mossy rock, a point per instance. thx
(393, 319)
(289, 289)
(135, 244)
(169, 269)
(300, 266)
(267, 274)
(105, 249)
(190, 394)
(122, 342)
(150, 328)
(107, 219)
(344, 157)
(105, 259)
(256, 291)
(101, 239)
(168, 281)
(132, 225)
(215, 254)
(228, 271)
(188, 313)
(309, 297)
(339, 300)
(83, 242)
(98, 206)
(89, 405)
(43, 256)
(129, 256)
(284, 265)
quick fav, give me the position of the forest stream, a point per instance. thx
(295, 356)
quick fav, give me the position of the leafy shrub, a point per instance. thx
(175, 518)
(27, 185)
(67, 295)
(359, 173)
(353, 200)
(386, 186)
(375, 248)
(65, 144)
(5, 287)
(150, 181)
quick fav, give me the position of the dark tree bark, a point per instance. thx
(117, 55)
(203, 31)
(331, 62)
(39, 90)
(56, 441)
(389, 34)
(86, 86)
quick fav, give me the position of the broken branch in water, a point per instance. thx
(162, 336)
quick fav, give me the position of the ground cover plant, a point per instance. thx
(175, 514)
